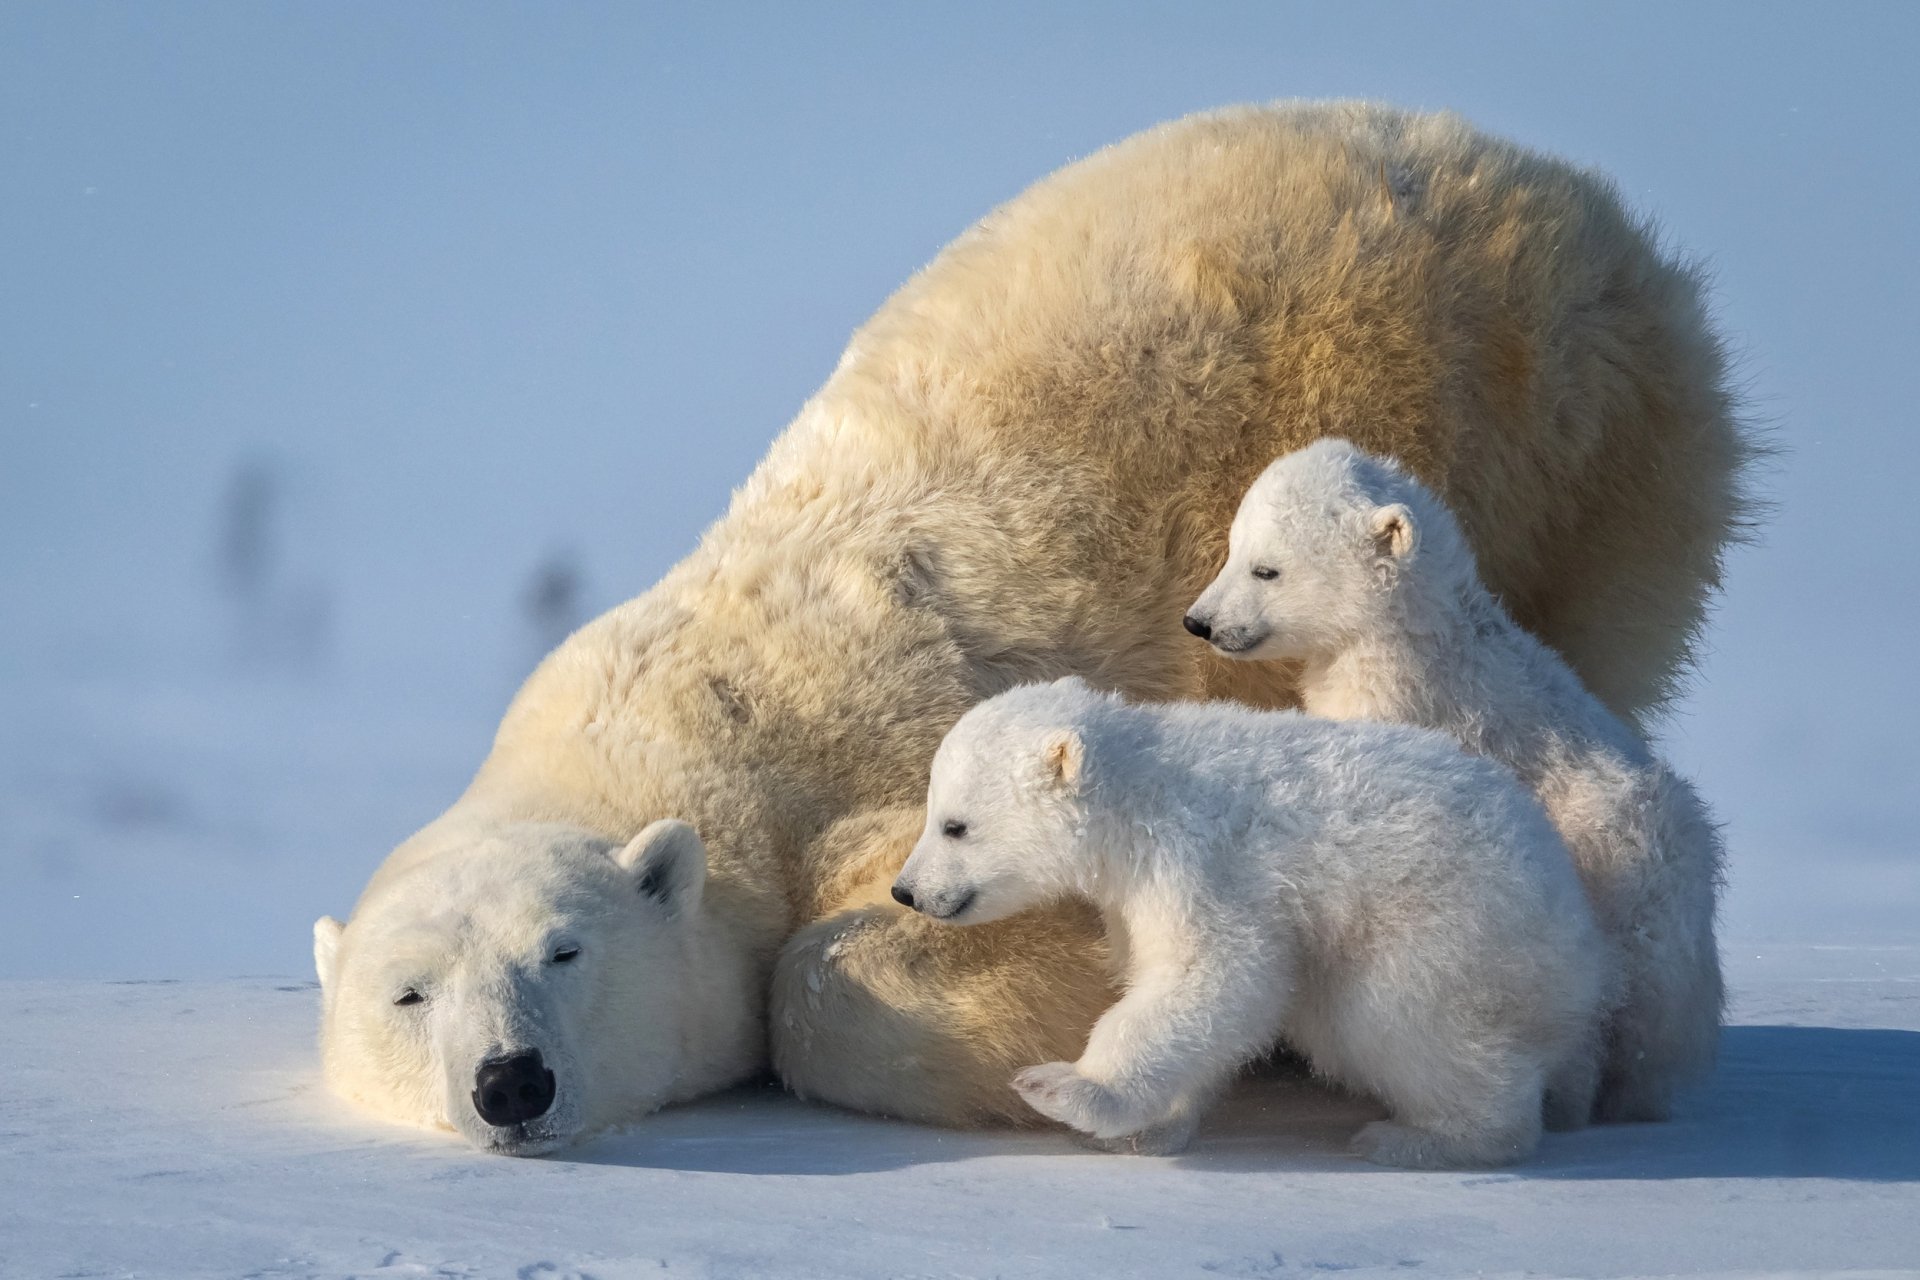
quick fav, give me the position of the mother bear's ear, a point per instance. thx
(668, 862)
(326, 948)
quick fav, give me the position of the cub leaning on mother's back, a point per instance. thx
(1348, 565)
(1023, 468)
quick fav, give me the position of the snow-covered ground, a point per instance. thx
(178, 1129)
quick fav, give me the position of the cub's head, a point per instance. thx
(1005, 806)
(1326, 549)
(523, 985)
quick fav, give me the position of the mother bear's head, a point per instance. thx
(522, 984)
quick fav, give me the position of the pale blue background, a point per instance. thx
(486, 282)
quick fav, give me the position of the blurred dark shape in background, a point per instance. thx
(280, 620)
(551, 603)
(248, 546)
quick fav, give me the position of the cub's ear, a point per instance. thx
(326, 948)
(669, 864)
(1062, 755)
(1394, 534)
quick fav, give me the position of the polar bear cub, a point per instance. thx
(1401, 911)
(1342, 561)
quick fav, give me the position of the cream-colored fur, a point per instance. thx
(1345, 564)
(1024, 467)
(541, 945)
(1402, 911)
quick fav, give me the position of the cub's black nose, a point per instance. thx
(903, 895)
(512, 1090)
(1199, 628)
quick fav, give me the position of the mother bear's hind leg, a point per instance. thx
(879, 1009)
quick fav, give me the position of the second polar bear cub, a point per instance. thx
(1402, 912)
(1342, 561)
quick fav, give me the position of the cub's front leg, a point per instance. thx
(1190, 1018)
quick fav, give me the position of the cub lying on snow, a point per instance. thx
(1342, 561)
(1402, 911)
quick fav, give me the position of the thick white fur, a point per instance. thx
(1378, 597)
(1024, 467)
(1401, 911)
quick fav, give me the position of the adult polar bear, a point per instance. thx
(1024, 467)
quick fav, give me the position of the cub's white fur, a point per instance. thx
(532, 939)
(1400, 910)
(1344, 562)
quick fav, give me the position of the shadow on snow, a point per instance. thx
(1786, 1102)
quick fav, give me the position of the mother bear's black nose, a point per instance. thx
(1199, 628)
(512, 1090)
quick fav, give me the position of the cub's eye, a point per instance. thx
(1265, 574)
(410, 996)
(566, 955)
(953, 828)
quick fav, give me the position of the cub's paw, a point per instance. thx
(1058, 1091)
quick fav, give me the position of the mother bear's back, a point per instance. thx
(1136, 336)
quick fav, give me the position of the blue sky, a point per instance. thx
(489, 281)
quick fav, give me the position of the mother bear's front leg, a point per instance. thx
(876, 1008)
